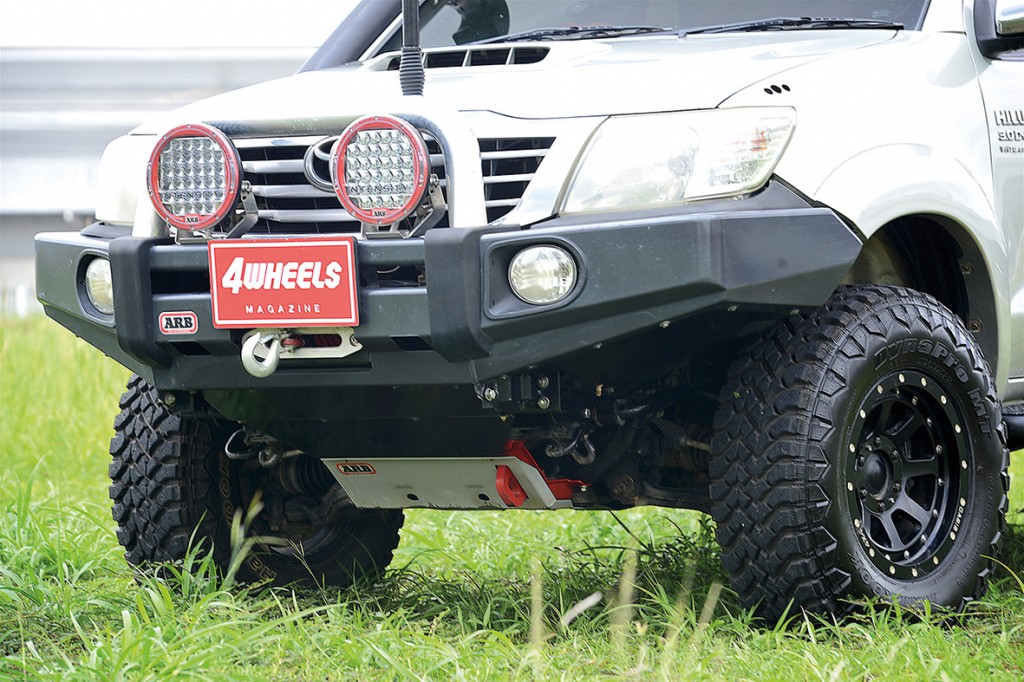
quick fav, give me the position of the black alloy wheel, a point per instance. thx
(859, 452)
(907, 486)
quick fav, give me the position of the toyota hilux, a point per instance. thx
(758, 259)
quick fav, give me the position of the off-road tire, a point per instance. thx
(824, 489)
(173, 487)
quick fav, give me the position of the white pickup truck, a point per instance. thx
(760, 259)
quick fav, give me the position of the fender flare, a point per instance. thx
(879, 185)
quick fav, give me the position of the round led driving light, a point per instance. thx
(193, 177)
(98, 285)
(541, 275)
(380, 168)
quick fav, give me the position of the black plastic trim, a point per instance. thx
(501, 301)
(101, 230)
(354, 34)
(453, 266)
(990, 43)
(1014, 431)
(130, 272)
(86, 259)
(1013, 415)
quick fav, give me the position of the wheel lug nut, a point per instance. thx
(895, 454)
(938, 449)
(863, 493)
(896, 487)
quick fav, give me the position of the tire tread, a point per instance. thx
(767, 500)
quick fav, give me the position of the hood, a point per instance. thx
(562, 79)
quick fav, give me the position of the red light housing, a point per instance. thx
(380, 168)
(194, 176)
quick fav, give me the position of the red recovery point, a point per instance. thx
(511, 491)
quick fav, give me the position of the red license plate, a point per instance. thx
(284, 283)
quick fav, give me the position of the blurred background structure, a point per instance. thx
(74, 76)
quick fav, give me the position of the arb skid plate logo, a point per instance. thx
(284, 283)
(356, 468)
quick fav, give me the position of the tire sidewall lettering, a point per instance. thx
(966, 390)
(928, 350)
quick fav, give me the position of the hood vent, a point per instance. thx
(490, 56)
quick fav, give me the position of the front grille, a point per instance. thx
(289, 204)
(508, 167)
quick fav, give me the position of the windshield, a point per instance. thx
(458, 22)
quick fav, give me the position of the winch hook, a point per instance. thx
(265, 344)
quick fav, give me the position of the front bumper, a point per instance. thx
(771, 253)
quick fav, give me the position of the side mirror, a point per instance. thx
(1009, 17)
(999, 26)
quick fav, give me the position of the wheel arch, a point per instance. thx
(935, 255)
(910, 203)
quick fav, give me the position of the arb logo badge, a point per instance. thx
(183, 322)
(355, 468)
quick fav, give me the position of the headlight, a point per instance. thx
(194, 177)
(645, 161)
(380, 167)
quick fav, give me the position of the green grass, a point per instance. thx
(469, 595)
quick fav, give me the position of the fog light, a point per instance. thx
(98, 286)
(541, 275)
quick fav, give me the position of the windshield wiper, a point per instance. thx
(576, 33)
(784, 23)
